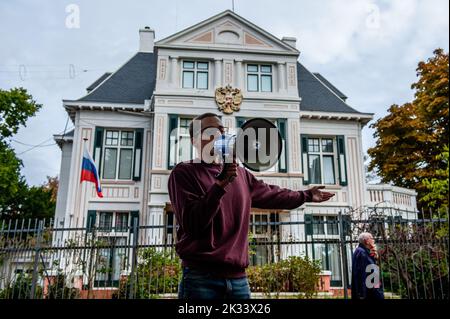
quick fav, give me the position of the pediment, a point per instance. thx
(227, 31)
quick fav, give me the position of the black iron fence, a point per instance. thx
(293, 255)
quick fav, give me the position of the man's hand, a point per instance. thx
(373, 251)
(230, 174)
(319, 196)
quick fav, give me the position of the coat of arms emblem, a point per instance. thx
(228, 99)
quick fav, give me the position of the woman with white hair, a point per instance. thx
(366, 281)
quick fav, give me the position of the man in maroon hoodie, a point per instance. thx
(213, 218)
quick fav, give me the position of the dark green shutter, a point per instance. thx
(342, 161)
(98, 145)
(281, 124)
(173, 124)
(137, 167)
(90, 220)
(308, 224)
(305, 164)
(134, 214)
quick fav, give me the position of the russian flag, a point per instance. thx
(89, 172)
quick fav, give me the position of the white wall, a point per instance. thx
(64, 175)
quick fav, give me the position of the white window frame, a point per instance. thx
(265, 234)
(113, 232)
(259, 75)
(195, 70)
(324, 220)
(118, 147)
(321, 154)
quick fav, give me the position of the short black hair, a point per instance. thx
(199, 117)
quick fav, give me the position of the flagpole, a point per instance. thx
(84, 188)
(85, 214)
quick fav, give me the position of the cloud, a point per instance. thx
(368, 49)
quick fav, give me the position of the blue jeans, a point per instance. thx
(196, 284)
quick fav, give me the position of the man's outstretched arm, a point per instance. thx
(268, 196)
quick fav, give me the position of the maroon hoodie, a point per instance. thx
(213, 222)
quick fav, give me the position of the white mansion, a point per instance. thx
(126, 118)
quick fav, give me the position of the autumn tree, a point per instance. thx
(411, 138)
(51, 185)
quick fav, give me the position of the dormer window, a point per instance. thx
(195, 75)
(259, 78)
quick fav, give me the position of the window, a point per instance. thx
(259, 78)
(106, 221)
(321, 157)
(195, 75)
(325, 225)
(332, 225)
(329, 257)
(121, 222)
(318, 225)
(181, 148)
(264, 232)
(118, 150)
(261, 226)
(110, 261)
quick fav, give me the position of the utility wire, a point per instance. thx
(32, 145)
(42, 143)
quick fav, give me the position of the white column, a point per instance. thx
(281, 77)
(217, 72)
(174, 71)
(238, 74)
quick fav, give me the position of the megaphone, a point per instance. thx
(257, 144)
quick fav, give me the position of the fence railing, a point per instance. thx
(123, 258)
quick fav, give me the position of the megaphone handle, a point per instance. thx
(222, 174)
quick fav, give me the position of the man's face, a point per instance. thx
(370, 242)
(211, 129)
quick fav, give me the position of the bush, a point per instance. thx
(57, 289)
(157, 272)
(20, 288)
(294, 274)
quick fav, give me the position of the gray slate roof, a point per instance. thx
(331, 86)
(133, 83)
(98, 81)
(316, 96)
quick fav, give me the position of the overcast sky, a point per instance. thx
(368, 49)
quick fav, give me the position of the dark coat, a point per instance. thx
(361, 259)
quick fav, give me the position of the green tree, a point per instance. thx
(437, 195)
(410, 138)
(9, 174)
(16, 106)
(30, 202)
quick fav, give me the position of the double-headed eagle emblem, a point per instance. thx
(228, 99)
